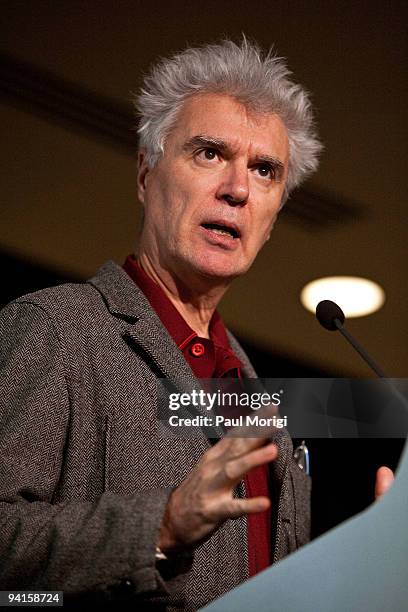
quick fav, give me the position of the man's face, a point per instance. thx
(213, 197)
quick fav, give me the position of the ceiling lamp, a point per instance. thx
(356, 296)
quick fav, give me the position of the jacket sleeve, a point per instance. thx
(104, 547)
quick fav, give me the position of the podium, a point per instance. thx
(359, 566)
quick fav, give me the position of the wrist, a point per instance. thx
(166, 542)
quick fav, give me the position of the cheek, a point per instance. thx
(264, 228)
(169, 213)
(160, 199)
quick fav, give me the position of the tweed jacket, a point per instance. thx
(85, 475)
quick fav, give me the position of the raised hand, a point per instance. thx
(205, 499)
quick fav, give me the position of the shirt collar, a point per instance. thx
(172, 320)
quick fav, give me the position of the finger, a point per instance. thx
(240, 507)
(256, 430)
(235, 469)
(232, 448)
(384, 479)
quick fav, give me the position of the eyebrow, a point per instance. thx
(202, 140)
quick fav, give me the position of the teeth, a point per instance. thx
(221, 231)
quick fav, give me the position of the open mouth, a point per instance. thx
(223, 230)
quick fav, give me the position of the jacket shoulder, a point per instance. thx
(52, 296)
(62, 302)
(67, 301)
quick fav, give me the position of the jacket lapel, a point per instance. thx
(143, 331)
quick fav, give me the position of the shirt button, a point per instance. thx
(197, 349)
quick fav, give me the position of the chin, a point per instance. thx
(219, 267)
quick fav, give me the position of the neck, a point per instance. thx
(196, 303)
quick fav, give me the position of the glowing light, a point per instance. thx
(356, 296)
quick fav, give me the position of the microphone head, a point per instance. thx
(326, 313)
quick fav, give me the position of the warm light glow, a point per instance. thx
(356, 296)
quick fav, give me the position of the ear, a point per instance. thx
(142, 171)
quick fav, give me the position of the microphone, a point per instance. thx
(331, 317)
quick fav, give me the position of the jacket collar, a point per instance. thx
(140, 322)
(142, 329)
(125, 300)
(122, 297)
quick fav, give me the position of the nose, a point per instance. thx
(234, 187)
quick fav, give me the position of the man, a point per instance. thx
(93, 500)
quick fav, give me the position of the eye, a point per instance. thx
(266, 171)
(208, 154)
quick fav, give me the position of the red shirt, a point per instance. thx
(212, 358)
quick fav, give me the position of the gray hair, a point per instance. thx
(260, 83)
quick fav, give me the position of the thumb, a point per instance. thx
(383, 481)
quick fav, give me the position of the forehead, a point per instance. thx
(223, 117)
